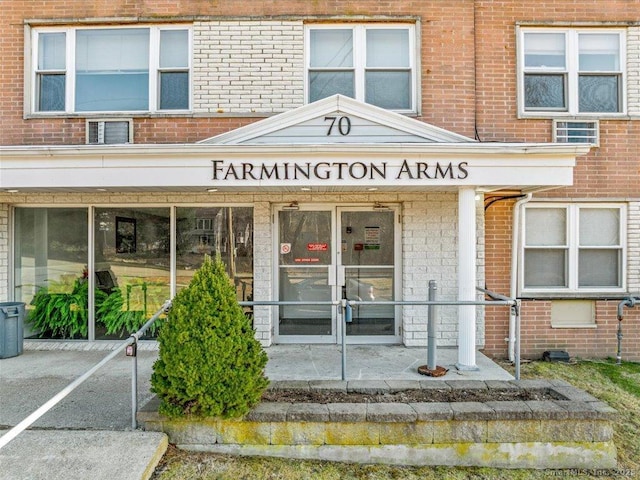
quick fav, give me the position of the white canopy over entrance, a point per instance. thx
(333, 145)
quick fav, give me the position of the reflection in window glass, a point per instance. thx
(132, 263)
(545, 91)
(50, 261)
(227, 231)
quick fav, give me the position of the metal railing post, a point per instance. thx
(134, 387)
(346, 318)
(431, 326)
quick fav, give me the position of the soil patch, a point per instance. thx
(410, 396)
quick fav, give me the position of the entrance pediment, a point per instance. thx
(337, 119)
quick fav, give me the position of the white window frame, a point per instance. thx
(571, 71)
(70, 72)
(573, 247)
(360, 57)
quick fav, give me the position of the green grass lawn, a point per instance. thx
(618, 385)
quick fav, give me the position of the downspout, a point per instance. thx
(513, 289)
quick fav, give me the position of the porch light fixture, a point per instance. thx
(291, 206)
(379, 206)
(305, 189)
(212, 190)
(12, 190)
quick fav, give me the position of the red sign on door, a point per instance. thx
(317, 247)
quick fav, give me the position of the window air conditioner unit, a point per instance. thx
(106, 132)
(576, 131)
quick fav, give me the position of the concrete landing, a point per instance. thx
(81, 455)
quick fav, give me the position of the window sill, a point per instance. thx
(103, 115)
(577, 325)
(576, 116)
(573, 295)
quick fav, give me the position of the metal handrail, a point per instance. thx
(132, 340)
(346, 306)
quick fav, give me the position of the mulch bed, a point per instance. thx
(409, 396)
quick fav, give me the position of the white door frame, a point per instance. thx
(334, 272)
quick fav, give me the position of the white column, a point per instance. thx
(466, 278)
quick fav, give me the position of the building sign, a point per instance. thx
(224, 170)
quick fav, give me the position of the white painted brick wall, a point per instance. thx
(430, 252)
(248, 66)
(262, 270)
(633, 70)
(633, 248)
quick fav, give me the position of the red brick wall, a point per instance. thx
(498, 228)
(447, 60)
(609, 171)
(538, 336)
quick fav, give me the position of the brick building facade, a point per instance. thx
(475, 143)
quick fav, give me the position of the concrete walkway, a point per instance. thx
(89, 433)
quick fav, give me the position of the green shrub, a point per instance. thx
(210, 363)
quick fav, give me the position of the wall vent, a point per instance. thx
(103, 132)
(576, 131)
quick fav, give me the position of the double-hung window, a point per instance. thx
(119, 69)
(571, 71)
(573, 248)
(372, 63)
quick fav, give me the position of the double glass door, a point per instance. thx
(325, 254)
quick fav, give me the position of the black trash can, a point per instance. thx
(11, 328)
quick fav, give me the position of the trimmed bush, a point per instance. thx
(209, 364)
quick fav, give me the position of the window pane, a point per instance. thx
(331, 48)
(132, 267)
(120, 49)
(545, 268)
(112, 69)
(387, 48)
(599, 52)
(546, 226)
(112, 92)
(50, 259)
(390, 90)
(51, 51)
(544, 91)
(598, 93)
(174, 49)
(51, 93)
(599, 226)
(174, 90)
(211, 230)
(544, 50)
(325, 84)
(599, 268)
